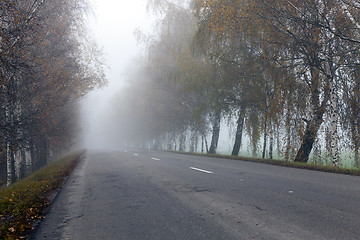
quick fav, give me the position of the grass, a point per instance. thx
(24, 203)
(308, 166)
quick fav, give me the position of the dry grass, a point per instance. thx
(24, 203)
(308, 166)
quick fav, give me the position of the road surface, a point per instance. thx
(159, 195)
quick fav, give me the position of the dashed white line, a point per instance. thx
(201, 170)
(156, 159)
(135, 154)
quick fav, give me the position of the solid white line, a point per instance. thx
(201, 170)
(156, 159)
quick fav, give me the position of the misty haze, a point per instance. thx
(170, 119)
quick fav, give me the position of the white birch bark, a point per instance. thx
(333, 118)
(271, 141)
(18, 165)
(28, 161)
(350, 16)
(202, 143)
(32, 12)
(334, 132)
(10, 165)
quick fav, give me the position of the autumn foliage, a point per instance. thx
(24, 203)
(47, 62)
(283, 74)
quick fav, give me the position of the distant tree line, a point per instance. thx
(287, 71)
(46, 64)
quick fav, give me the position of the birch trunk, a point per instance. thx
(216, 132)
(316, 120)
(202, 144)
(174, 137)
(182, 142)
(19, 165)
(192, 141)
(311, 131)
(206, 144)
(196, 141)
(265, 138)
(357, 158)
(271, 144)
(334, 133)
(239, 132)
(28, 161)
(10, 163)
(288, 143)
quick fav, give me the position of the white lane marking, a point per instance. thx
(201, 170)
(135, 154)
(156, 159)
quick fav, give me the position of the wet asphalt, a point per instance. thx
(160, 195)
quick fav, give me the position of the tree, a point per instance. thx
(45, 69)
(313, 40)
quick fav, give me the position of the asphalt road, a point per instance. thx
(159, 195)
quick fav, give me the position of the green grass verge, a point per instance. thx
(24, 203)
(308, 166)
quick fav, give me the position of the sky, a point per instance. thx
(112, 26)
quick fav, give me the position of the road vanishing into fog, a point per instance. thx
(136, 195)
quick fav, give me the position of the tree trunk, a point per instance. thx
(196, 141)
(32, 154)
(192, 141)
(239, 132)
(216, 132)
(265, 138)
(175, 146)
(156, 143)
(28, 161)
(315, 122)
(206, 144)
(288, 135)
(182, 142)
(169, 141)
(20, 162)
(43, 153)
(311, 131)
(10, 162)
(356, 160)
(10, 158)
(271, 144)
(334, 133)
(202, 144)
(317, 153)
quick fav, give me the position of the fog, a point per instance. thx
(112, 24)
(199, 81)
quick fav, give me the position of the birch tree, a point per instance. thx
(44, 70)
(313, 39)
